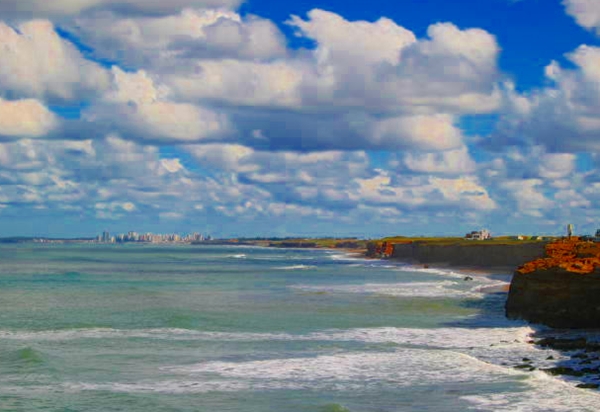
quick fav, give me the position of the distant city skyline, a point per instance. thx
(133, 237)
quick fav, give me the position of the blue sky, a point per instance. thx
(530, 32)
(312, 118)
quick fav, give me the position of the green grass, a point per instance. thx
(501, 240)
(332, 242)
(320, 242)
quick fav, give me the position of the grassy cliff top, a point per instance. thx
(350, 243)
(501, 240)
(354, 243)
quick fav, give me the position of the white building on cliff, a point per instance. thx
(479, 235)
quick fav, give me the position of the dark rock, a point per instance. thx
(570, 344)
(526, 360)
(550, 357)
(477, 254)
(525, 366)
(468, 278)
(563, 344)
(563, 370)
(588, 386)
(555, 297)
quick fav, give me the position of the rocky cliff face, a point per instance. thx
(480, 255)
(561, 290)
(556, 297)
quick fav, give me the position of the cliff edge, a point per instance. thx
(483, 255)
(561, 290)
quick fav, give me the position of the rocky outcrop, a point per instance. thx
(482, 255)
(561, 290)
(380, 249)
(556, 297)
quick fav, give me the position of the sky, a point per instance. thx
(309, 118)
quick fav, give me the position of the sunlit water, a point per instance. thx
(198, 328)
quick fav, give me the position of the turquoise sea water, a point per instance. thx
(199, 328)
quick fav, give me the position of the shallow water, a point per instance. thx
(199, 328)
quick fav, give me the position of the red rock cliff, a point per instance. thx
(561, 290)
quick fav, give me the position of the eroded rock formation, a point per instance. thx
(561, 290)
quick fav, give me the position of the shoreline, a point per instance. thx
(501, 274)
(577, 365)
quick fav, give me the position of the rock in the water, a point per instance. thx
(563, 370)
(525, 366)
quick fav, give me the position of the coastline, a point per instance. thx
(501, 274)
(499, 344)
(573, 357)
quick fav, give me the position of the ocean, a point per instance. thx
(247, 329)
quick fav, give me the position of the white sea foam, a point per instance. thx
(434, 338)
(491, 287)
(364, 371)
(238, 256)
(442, 289)
(543, 394)
(500, 346)
(433, 271)
(404, 367)
(279, 258)
(373, 264)
(349, 257)
(493, 345)
(343, 372)
(166, 386)
(450, 338)
(296, 267)
(360, 371)
(423, 357)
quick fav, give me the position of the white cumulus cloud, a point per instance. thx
(57, 8)
(169, 41)
(585, 12)
(36, 62)
(25, 118)
(565, 116)
(135, 107)
(364, 85)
